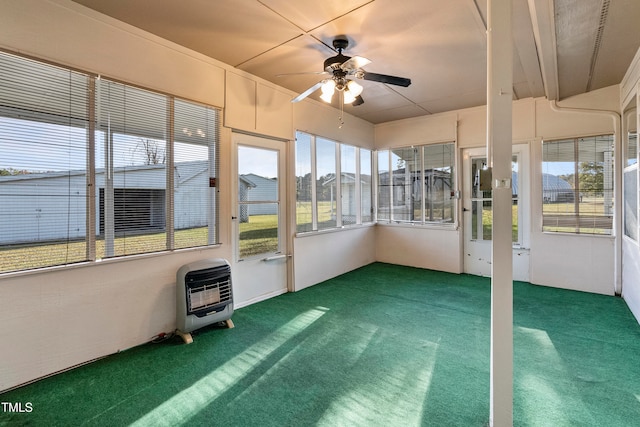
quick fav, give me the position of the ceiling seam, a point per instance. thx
(317, 26)
(268, 50)
(604, 12)
(304, 32)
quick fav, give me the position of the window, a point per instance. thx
(89, 168)
(341, 195)
(416, 184)
(195, 161)
(366, 189)
(43, 174)
(326, 184)
(304, 198)
(577, 185)
(131, 152)
(631, 188)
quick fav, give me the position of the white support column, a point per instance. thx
(499, 141)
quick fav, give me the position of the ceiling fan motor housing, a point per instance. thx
(333, 64)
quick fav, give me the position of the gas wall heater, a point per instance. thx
(204, 296)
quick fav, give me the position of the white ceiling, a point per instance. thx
(561, 48)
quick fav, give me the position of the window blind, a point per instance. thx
(131, 156)
(195, 174)
(577, 185)
(92, 168)
(43, 156)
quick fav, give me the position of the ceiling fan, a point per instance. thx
(341, 68)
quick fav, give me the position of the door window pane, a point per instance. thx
(482, 202)
(258, 207)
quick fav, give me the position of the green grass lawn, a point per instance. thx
(24, 257)
(259, 235)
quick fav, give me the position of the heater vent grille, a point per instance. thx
(207, 289)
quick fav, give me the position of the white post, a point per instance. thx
(499, 146)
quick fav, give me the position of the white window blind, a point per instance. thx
(577, 185)
(195, 174)
(43, 156)
(131, 156)
(92, 168)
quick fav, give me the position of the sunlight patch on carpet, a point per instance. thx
(186, 404)
(545, 393)
(394, 397)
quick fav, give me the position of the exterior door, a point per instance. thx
(259, 223)
(477, 213)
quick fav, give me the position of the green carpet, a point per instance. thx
(384, 345)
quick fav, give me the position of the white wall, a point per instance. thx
(432, 248)
(324, 255)
(586, 263)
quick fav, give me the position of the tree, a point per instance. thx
(153, 153)
(12, 171)
(591, 177)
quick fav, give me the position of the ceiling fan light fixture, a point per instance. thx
(327, 90)
(348, 97)
(354, 88)
(326, 97)
(328, 86)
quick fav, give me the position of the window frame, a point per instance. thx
(336, 183)
(423, 192)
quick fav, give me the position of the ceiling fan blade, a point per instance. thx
(308, 92)
(383, 78)
(358, 101)
(354, 63)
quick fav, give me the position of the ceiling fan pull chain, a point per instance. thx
(341, 118)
